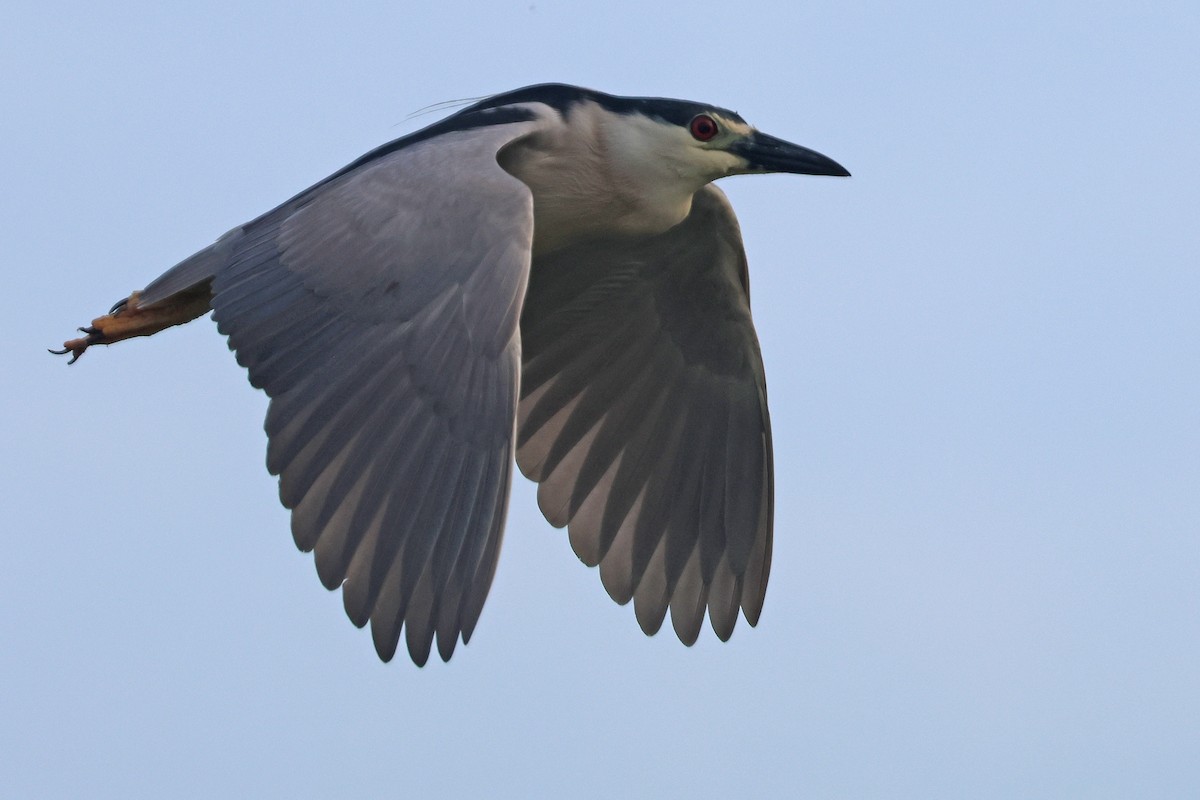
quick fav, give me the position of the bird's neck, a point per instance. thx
(582, 188)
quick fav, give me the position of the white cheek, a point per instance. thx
(725, 163)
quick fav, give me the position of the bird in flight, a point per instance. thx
(547, 274)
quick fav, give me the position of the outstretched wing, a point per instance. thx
(643, 416)
(380, 312)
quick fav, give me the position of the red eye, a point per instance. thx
(703, 127)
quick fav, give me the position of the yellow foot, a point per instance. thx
(128, 319)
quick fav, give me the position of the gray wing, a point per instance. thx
(643, 416)
(380, 311)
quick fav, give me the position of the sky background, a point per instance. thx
(983, 354)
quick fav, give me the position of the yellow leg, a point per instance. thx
(129, 319)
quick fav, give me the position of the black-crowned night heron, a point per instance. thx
(548, 270)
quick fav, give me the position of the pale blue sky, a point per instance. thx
(983, 353)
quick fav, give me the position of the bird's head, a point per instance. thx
(633, 164)
(700, 143)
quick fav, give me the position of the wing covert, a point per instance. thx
(380, 314)
(643, 416)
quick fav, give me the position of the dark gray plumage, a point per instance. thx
(643, 386)
(553, 261)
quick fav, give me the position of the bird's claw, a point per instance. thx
(128, 318)
(112, 327)
(76, 346)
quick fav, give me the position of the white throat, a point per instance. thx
(599, 171)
